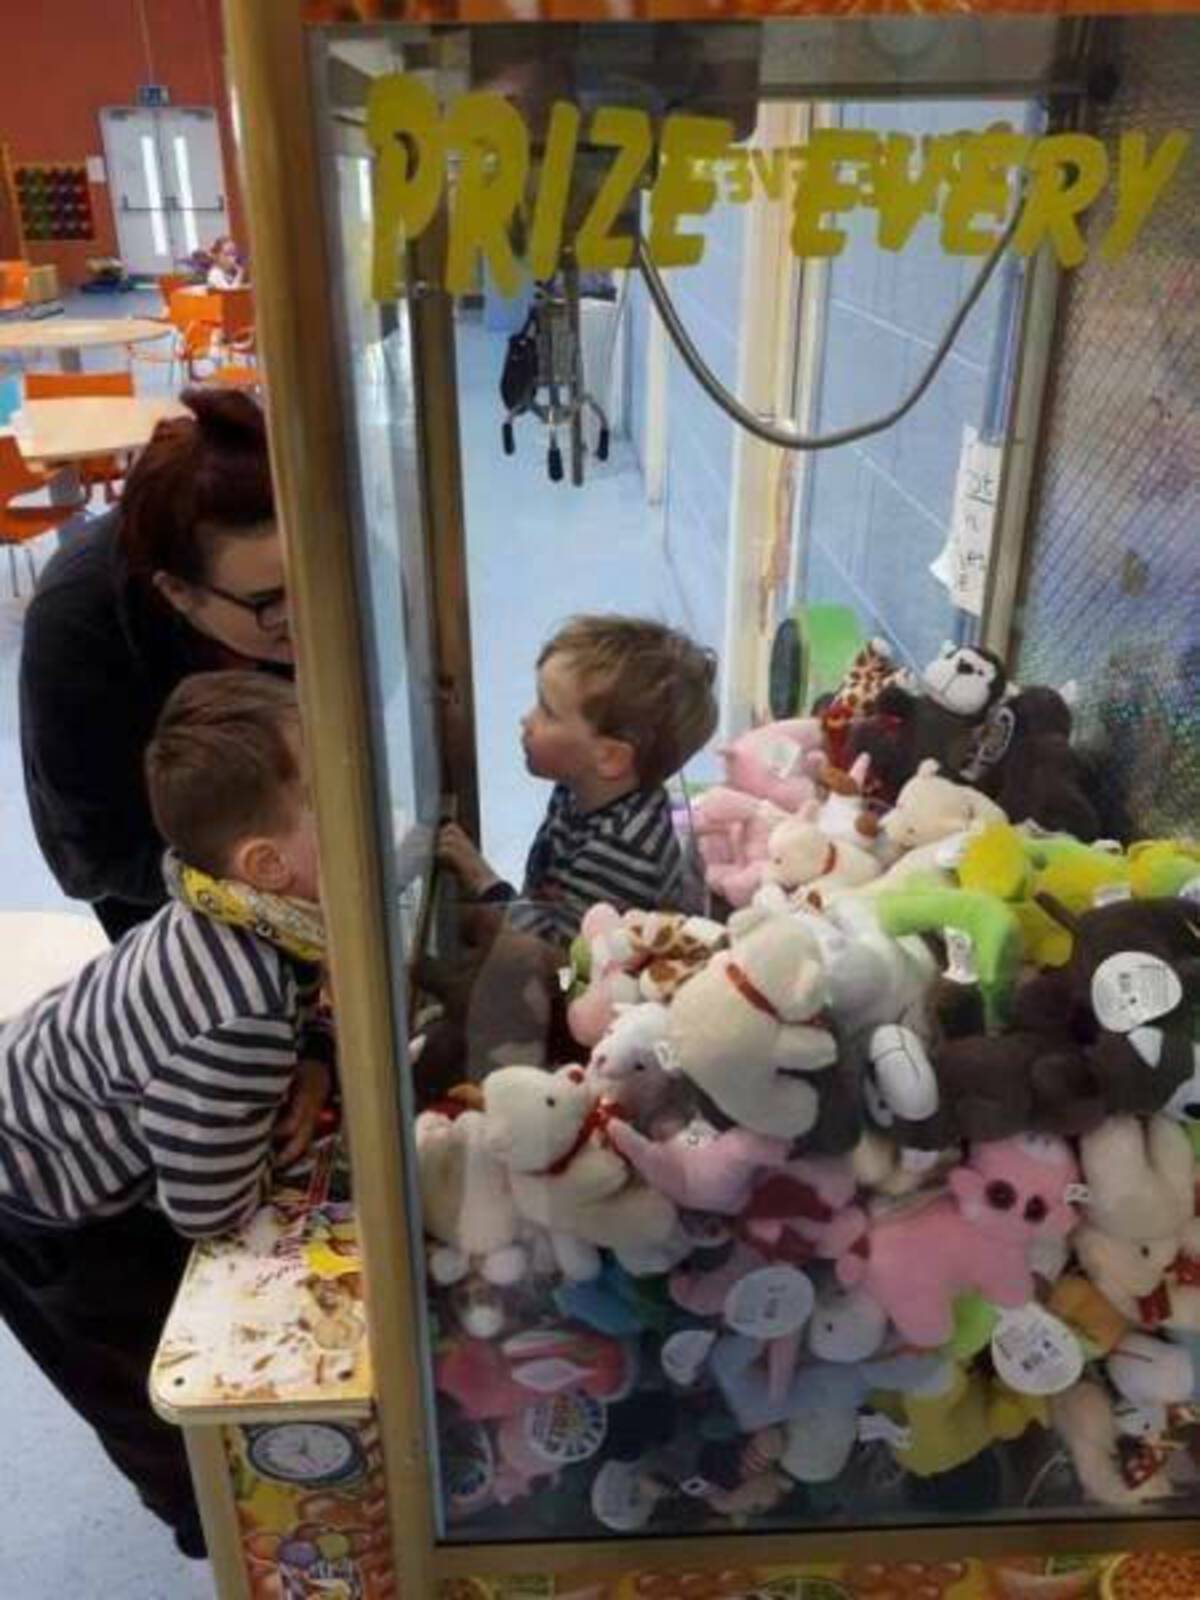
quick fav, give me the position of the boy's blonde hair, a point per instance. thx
(222, 765)
(642, 682)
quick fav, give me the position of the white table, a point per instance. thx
(43, 949)
(72, 429)
(71, 335)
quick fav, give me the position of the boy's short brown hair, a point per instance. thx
(222, 765)
(642, 682)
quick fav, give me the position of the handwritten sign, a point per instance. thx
(963, 563)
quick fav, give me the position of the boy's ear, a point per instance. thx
(260, 863)
(615, 758)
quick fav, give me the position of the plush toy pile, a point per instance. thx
(878, 1196)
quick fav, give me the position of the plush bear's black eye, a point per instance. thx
(1146, 1250)
(1000, 1196)
(1035, 1210)
(551, 1101)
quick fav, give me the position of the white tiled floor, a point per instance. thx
(537, 552)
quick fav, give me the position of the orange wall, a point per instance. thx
(62, 60)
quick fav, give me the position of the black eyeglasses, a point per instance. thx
(262, 605)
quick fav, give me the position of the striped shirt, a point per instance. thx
(625, 853)
(156, 1074)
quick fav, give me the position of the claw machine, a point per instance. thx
(857, 341)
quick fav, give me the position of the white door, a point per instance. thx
(165, 181)
(193, 178)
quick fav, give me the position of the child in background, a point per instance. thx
(622, 704)
(225, 271)
(144, 1103)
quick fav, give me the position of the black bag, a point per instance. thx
(518, 381)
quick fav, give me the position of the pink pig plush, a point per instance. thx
(700, 1169)
(1010, 1194)
(775, 762)
(732, 831)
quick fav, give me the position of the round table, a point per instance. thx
(90, 425)
(42, 950)
(71, 430)
(70, 335)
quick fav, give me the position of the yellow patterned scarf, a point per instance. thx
(295, 926)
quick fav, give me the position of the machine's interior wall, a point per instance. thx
(1113, 589)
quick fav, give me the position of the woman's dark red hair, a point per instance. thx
(199, 477)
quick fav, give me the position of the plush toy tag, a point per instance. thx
(566, 979)
(1140, 1419)
(960, 948)
(1133, 988)
(698, 1133)
(780, 757)
(950, 852)
(550, 1375)
(919, 1160)
(1190, 890)
(684, 1354)
(565, 1428)
(770, 1303)
(620, 1498)
(1077, 1194)
(875, 1428)
(1034, 1352)
(1109, 893)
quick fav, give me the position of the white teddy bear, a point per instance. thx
(548, 1129)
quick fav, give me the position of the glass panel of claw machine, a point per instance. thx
(858, 1190)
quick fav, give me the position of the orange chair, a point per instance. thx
(14, 285)
(168, 282)
(18, 524)
(97, 472)
(200, 320)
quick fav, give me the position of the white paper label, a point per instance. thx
(770, 1303)
(1190, 890)
(963, 563)
(620, 1499)
(919, 1160)
(960, 949)
(875, 1428)
(698, 1133)
(781, 757)
(1034, 1352)
(566, 979)
(1133, 988)
(684, 1354)
(1110, 893)
(1140, 1421)
(950, 851)
(1077, 1194)
(565, 1428)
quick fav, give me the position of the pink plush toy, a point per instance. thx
(699, 1169)
(1008, 1196)
(775, 762)
(733, 830)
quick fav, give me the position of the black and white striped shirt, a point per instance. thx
(157, 1073)
(626, 853)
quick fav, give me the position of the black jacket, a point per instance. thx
(100, 656)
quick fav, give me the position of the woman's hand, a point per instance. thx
(298, 1120)
(455, 850)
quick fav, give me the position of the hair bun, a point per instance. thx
(228, 418)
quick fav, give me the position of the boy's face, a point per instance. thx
(558, 740)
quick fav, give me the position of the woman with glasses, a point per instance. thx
(185, 575)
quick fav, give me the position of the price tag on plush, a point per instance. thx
(1035, 1353)
(770, 1303)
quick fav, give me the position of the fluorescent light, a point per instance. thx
(191, 238)
(154, 195)
(364, 189)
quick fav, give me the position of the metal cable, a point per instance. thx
(787, 438)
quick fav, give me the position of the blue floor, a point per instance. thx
(537, 552)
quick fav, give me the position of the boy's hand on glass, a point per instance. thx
(298, 1120)
(455, 850)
